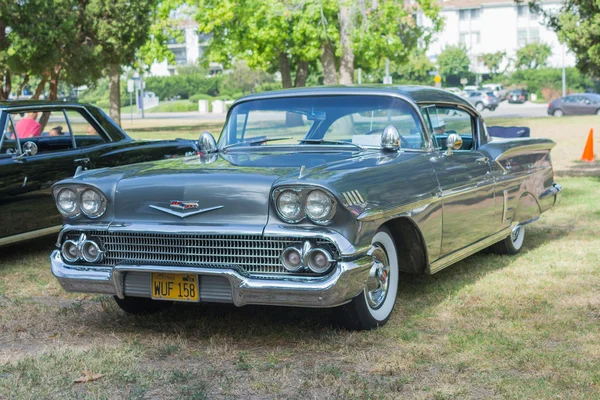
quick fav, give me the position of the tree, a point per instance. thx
(279, 35)
(533, 55)
(577, 24)
(119, 28)
(454, 61)
(493, 61)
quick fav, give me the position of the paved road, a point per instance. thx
(526, 110)
(504, 110)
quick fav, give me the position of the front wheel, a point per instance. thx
(479, 107)
(558, 113)
(513, 243)
(598, 111)
(374, 305)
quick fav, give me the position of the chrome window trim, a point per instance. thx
(348, 92)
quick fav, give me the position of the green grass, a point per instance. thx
(498, 327)
(488, 327)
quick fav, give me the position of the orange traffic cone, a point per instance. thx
(588, 151)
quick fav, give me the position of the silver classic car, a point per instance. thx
(315, 197)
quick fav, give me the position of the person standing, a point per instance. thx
(28, 126)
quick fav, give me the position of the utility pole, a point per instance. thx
(142, 93)
(564, 74)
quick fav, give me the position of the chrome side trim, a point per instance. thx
(382, 213)
(458, 255)
(29, 235)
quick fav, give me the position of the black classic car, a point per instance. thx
(316, 197)
(43, 142)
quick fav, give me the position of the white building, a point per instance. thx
(187, 50)
(489, 26)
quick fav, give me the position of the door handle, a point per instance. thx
(482, 160)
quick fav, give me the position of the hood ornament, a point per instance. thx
(185, 205)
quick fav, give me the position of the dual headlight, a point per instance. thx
(294, 204)
(72, 201)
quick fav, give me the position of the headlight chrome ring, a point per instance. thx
(289, 205)
(92, 203)
(320, 206)
(67, 204)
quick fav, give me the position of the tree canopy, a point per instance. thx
(454, 61)
(295, 35)
(577, 24)
(533, 55)
(493, 61)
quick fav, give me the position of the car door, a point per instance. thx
(30, 206)
(464, 177)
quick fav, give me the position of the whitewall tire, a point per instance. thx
(374, 305)
(513, 243)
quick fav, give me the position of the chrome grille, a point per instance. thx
(252, 254)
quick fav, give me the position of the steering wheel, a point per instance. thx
(405, 143)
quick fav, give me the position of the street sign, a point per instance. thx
(437, 79)
(130, 86)
(387, 80)
(464, 81)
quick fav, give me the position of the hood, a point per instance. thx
(228, 190)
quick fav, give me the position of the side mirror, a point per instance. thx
(454, 142)
(29, 149)
(390, 138)
(207, 143)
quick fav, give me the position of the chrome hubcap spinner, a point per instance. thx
(379, 277)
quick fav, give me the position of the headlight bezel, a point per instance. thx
(303, 191)
(79, 210)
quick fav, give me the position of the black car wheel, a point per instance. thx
(141, 305)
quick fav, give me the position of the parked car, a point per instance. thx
(471, 88)
(499, 90)
(575, 104)
(482, 100)
(73, 136)
(518, 96)
(316, 197)
(456, 91)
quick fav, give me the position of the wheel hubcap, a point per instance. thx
(379, 278)
(514, 235)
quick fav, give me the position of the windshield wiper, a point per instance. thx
(255, 141)
(325, 141)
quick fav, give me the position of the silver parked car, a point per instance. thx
(482, 100)
(499, 90)
(318, 197)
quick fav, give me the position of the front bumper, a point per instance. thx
(345, 282)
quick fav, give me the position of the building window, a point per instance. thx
(534, 35)
(522, 10)
(463, 38)
(521, 37)
(463, 15)
(475, 13)
(533, 15)
(180, 56)
(526, 36)
(474, 38)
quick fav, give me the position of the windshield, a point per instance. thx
(350, 120)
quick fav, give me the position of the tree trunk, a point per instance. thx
(6, 85)
(328, 63)
(53, 94)
(347, 60)
(301, 74)
(40, 88)
(22, 85)
(114, 89)
(284, 68)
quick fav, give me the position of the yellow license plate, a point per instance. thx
(178, 287)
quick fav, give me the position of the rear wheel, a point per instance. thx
(141, 305)
(558, 113)
(479, 106)
(374, 305)
(598, 111)
(513, 243)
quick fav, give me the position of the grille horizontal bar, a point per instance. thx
(251, 254)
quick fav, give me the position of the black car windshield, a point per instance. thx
(355, 121)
